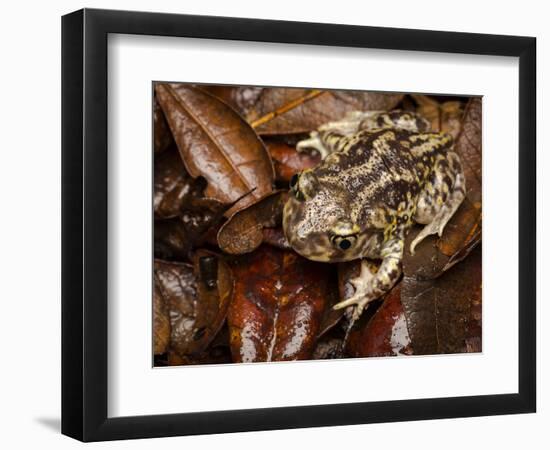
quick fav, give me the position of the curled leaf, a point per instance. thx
(243, 231)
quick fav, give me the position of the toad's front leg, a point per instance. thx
(369, 286)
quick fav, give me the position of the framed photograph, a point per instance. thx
(274, 225)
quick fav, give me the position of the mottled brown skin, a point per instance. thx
(381, 173)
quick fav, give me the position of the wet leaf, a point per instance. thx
(386, 333)
(438, 310)
(162, 135)
(294, 110)
(175, 237)
(240, 98)
(173, 186)
(197, 307)
(277, 307)
(243, 231)
(161, 323)
(287, 161)
(217, 144)
(215, 355)
(328, 348)
(275, 237)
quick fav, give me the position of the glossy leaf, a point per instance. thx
(386, 333)
(173, 187)
(278, 305)
(161, 323)
(287, 161)
(197, 299)
(162, 136)
(217, 144)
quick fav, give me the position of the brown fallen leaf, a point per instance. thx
(310, 111)
(243, 231)
(275, 237)
(240, 98)
(278, 305)
(215, 355)
(328, 348)
(217, 144)
(196, 301)
(438, 310)
(161, 323)
(174, 238)
(163, 137)
(385, 334)
(287, 161)
(173, 187)
(464, 229)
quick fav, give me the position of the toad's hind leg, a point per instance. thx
(440, 197)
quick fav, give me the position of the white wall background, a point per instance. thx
(30, 224)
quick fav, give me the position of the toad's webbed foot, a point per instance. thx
(369, 286)
(314, 142)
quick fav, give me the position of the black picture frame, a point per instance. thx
(84, 224)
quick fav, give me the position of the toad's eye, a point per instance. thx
(344, 242)
(294, 181)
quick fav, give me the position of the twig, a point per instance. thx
(283, 109)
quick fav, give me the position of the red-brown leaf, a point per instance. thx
(278, 306)
(197, 297)
(386, 333)
(288, 161)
